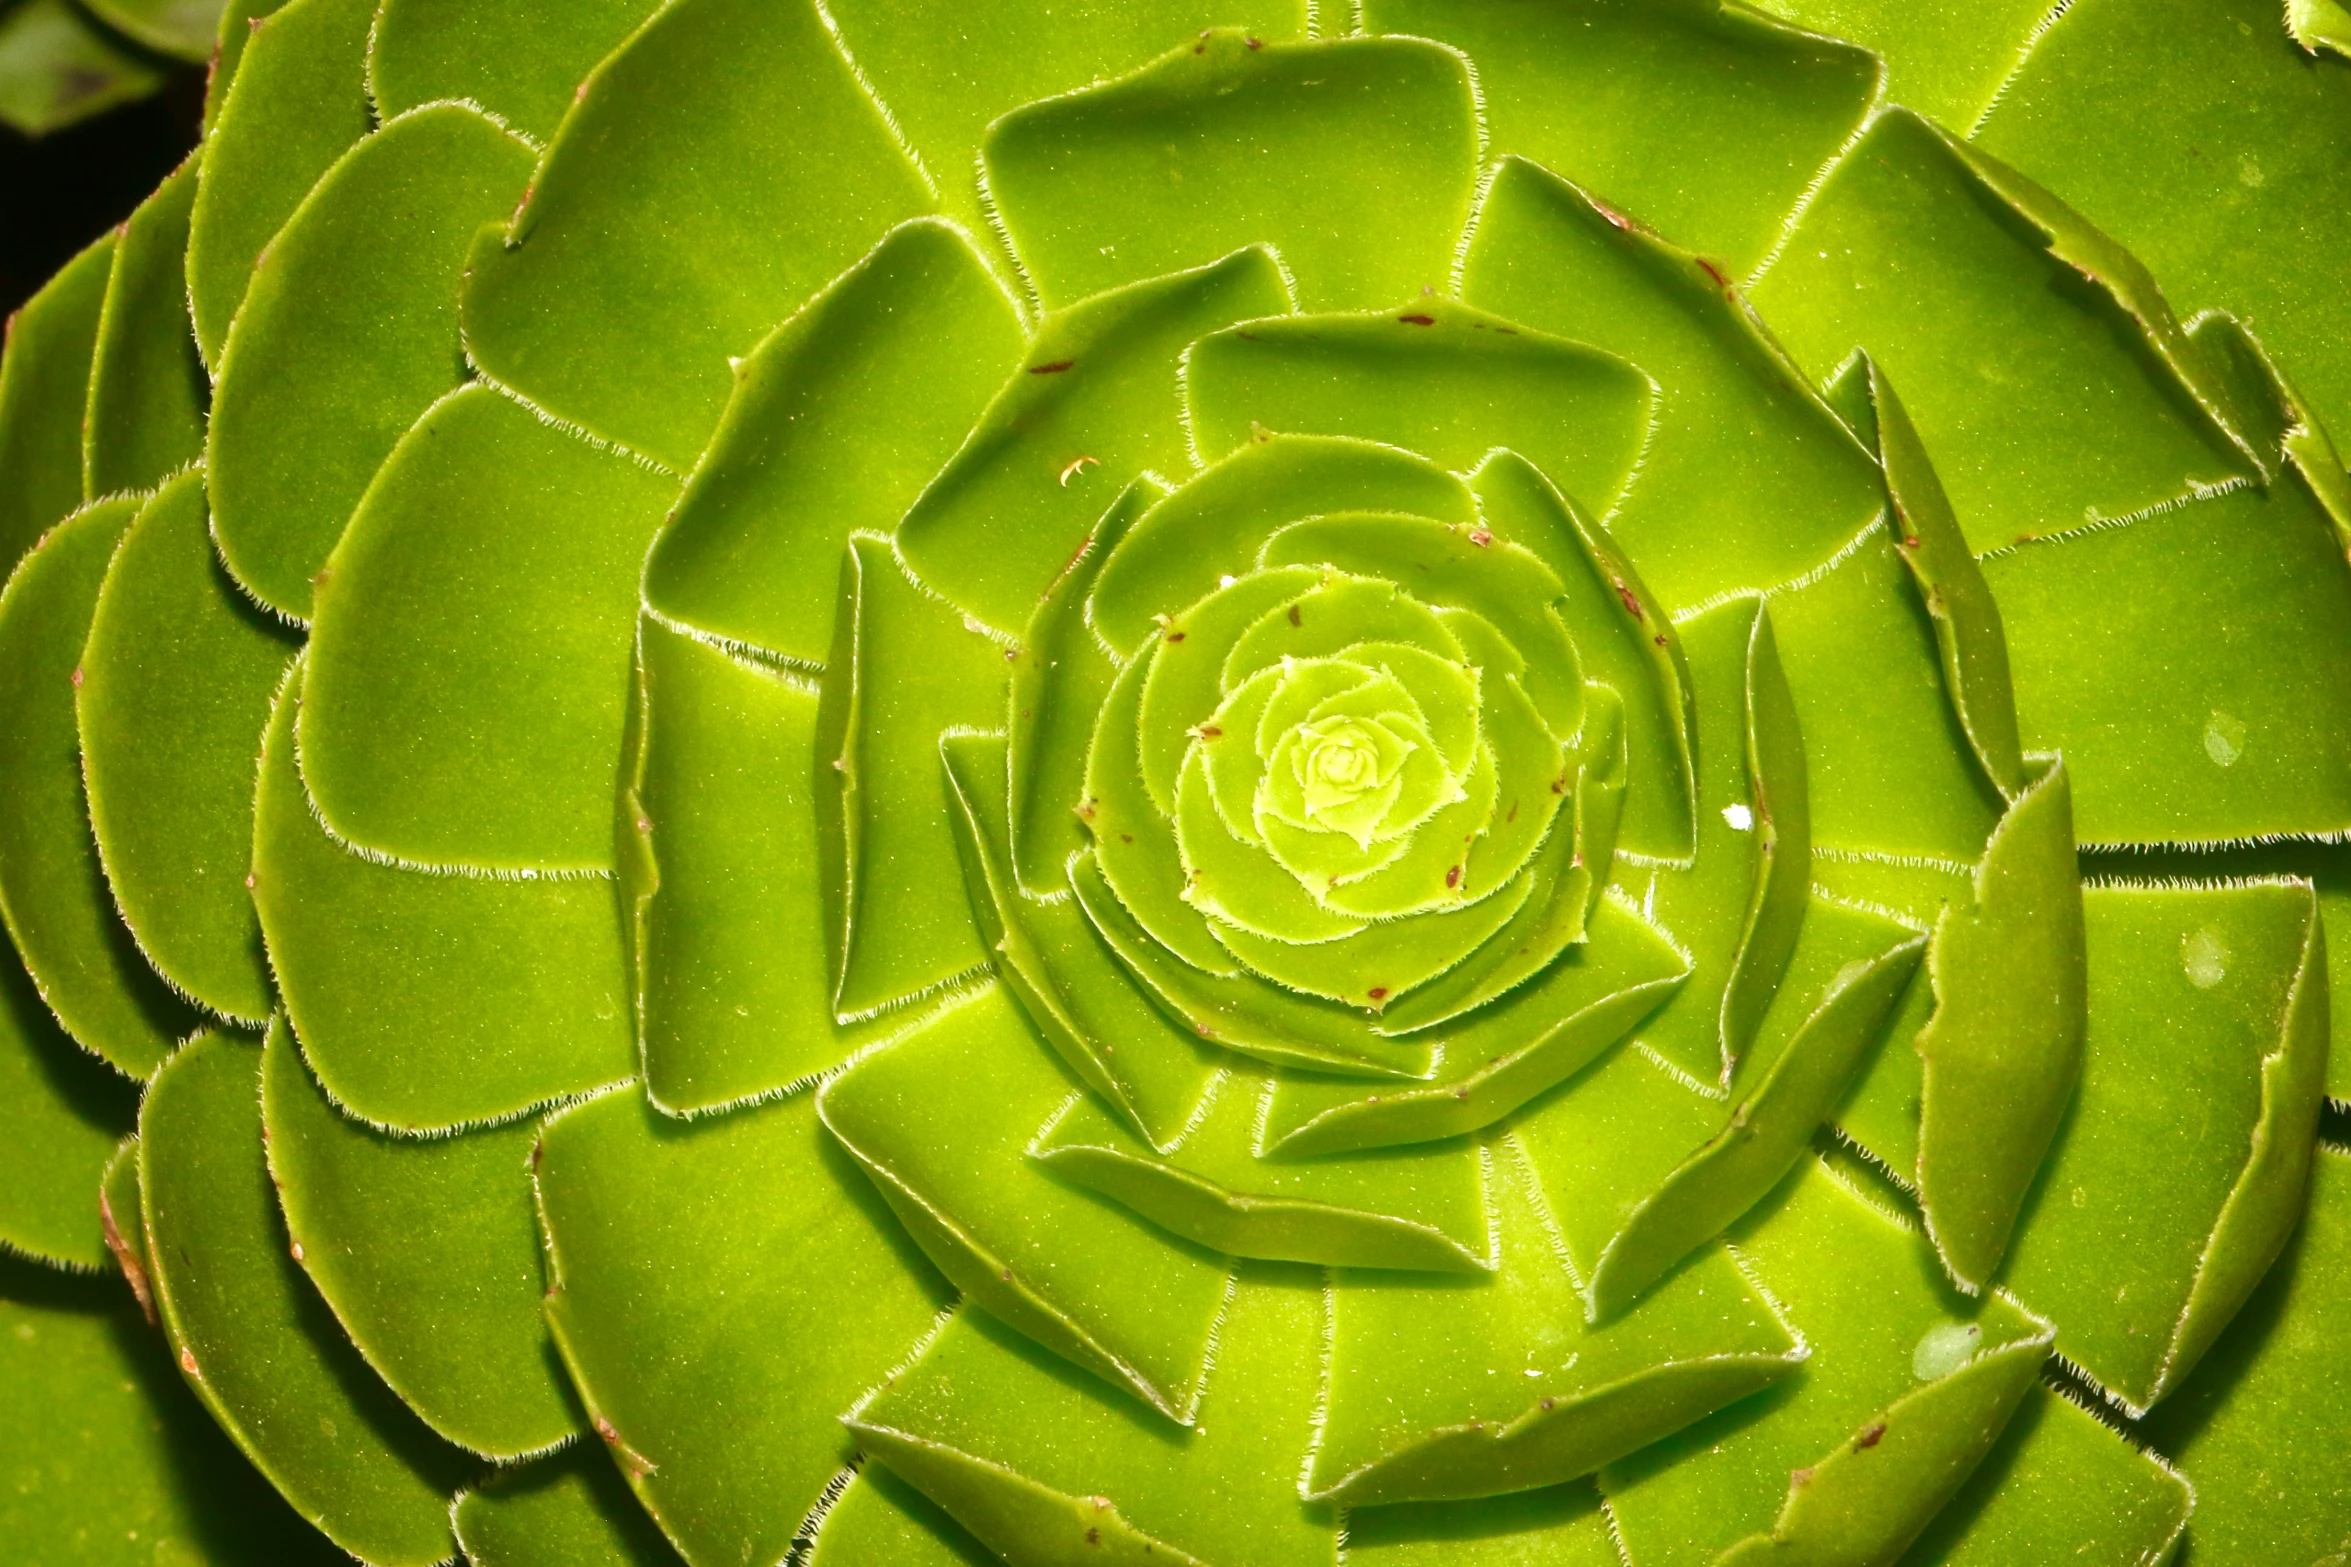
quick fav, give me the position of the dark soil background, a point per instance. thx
(59, 192)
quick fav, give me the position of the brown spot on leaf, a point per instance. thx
(1417, 319)
(1798, 1479)
(188, 1362)
(1453, 876)
(1055, 368)
(1630, 600)
(1296, 619)
(77, 677)
(1875, 1434)
(1481, 537)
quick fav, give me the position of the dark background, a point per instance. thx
(61, 191)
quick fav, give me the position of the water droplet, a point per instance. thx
(1740, 818)
(2249, 172)
(2206, 958)
(2224, 739)
(1944, 1348)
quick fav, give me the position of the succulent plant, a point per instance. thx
(888, 785)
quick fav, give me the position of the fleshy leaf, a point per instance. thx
(347, 335)
(570, 1510)
(1049, 1470)
(1517, 1392)
(880, 1521)
(2003, 1051)
(2258, 1428)
(108, 1459)
(625, 282)
(1706, 120)
(700, 1273)
(176, 683)
(297, 98)
(252, 1337)
(145, 417)
(1946, 62)
(1075, 992)
(2207, 1035)
(1093, 405)
(424, 1001)
(839, 420)
(1561, 1526)
(521, 62)
(2199, 136)
(1354, 159)
(2228, 735)
(1747, 480)
(52, 889)
(942, 1121)
(181, 28)
(1905, 1388)
(731, 965)
(1419, 1208)
(469, 663)
(1847, 970)
(889, 860)
(427, 1250)
(1016, 52)
(1435, 378)
(61, 1113)
(2060, 1485)
(58, 67)
(1500, 1058)
(44, 390)
(1913, 252)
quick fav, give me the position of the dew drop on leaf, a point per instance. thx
(2205, 956)
(1943, 1349)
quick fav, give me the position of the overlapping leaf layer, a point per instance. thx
(1473, 780)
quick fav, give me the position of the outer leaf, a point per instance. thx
(839, 420)
(521, 62)
(1518, 1392)
(2004, 1049)
(1720, 506)
(176, 682)
(428, 1252)
(1092, 407)
(1354, 159)
(1705, 119)
(469, 664)
(733, 996)
(349, 333)
(44, 390)
(881, 1521)
(422, 1001)
(2256, 1430)
(1049, 1472)
(1559, 1527)
(56, 67)
(700, 1274)
(2203, 1000)
(106, 1459)
(51, 888)
(572, 1510)
(145, 416)
(297, 98)
(661, 237)
(184, 28)
(1851, 1462)
(942, 1121)
(255, 1341)
(61, 1114)
(2107, 109)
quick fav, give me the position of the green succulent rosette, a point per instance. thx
(1491, 780)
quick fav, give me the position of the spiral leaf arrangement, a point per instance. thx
(884, 785)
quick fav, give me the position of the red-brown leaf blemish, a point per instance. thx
(1559, 784)
(1513, 816)
(1481, 537)
(1631, 600)
(1910, 541)
(1210, 732)
(1378, 992)
(1453, 876)
(1871, 1437)
(1256, 43)
(1175, 636)
(1087, 809)
(1615, 218)
(77, 677)
(1712, 271)
(1093, 1537)
(1798, 1479)
(1296, 619)
(1055, 368)
(188, 1362)
(1418, 320)
(1661, 639)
